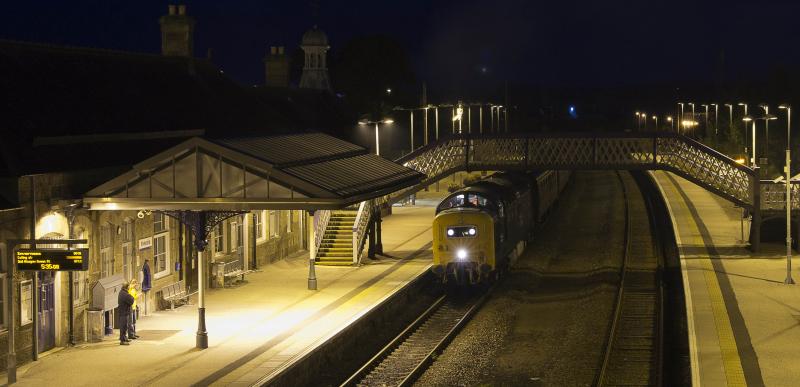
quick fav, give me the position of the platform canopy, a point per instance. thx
(296, 171)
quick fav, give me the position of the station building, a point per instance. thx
(76, 118)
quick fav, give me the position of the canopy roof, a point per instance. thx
(299, 171)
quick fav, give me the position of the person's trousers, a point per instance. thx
(123, 328)
(132, 322)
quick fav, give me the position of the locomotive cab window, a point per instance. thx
(466, 199)
(462, 232)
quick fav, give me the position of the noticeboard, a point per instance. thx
(52, 260)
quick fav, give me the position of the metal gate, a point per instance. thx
(46, 312)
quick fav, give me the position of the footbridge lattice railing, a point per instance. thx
(589, 151)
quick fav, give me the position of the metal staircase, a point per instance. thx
(336, 247)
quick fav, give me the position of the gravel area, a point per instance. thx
(546, 323)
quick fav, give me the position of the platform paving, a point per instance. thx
(254, 329)
(742, 318)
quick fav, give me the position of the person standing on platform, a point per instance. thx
(134, 310)
(146, 284)
(124, 302)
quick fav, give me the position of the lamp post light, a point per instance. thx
(638, 121)
(789, 280)
(766, 126)
(671, 123)
(746, 140)
(693, 116)
(680, 119)
(705, 128)
(716, 119)
(655, 118)
(730, 119)
(377, 137)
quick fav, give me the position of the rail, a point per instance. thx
(363, 216)
(635, 341)
(773, 195)
(404, 359)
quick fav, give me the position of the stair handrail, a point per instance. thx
(320, 227)
(360, 228)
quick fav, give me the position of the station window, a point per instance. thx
(3, 284)
(274, 221)
(237, 233)
(106, 253)
(219, 246)
(79, 294)
(161, 255)
(25, 302)
(258, 223)
(160, 222)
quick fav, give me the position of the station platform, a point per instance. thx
(742, 319)
(255, 329)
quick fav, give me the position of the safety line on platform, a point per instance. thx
(731, 360)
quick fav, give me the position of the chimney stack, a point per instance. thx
(177, 32)
(276, 66)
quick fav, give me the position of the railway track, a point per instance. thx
(633, 355)
(405, 358)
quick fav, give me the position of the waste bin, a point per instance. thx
(96, 327)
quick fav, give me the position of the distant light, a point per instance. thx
(572, 109)
(669, 118)
(362, 122)
(689, 123)
(472, 231)
(572, 112)
(461, 254)
(740, 161)
(450, 232)
(389, 121)
(484, 70)
(388, 90)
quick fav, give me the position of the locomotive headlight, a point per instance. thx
(472, 231)
(450, 232)
(461, 254)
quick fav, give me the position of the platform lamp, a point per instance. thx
(789, 280)
(671, 123)
(377, 137)
(680, 119)
(655, 118)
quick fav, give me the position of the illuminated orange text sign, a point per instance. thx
(52, 260)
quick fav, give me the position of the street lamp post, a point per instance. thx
(671, 123)
(705, 128)
(730, 119)
(693, 116)
(766, 128)
(655, 118)
(638, 122)
(789, 280)
(680, 119)
(746, 140)
(716, 119)
(377, 137)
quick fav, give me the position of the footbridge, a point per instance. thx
(671, 152)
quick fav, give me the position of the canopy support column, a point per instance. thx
(312, 252)
(201, 223)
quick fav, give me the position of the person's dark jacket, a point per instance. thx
(124, 301)
(146, 284)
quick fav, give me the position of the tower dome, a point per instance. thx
(315, 37)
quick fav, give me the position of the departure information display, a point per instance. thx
(52, 260)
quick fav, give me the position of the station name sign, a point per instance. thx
(52, 260)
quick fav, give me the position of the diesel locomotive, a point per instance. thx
(480, 230)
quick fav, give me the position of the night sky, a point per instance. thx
(558, 43)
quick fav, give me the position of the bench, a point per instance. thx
(175, 293)
(233, 269)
